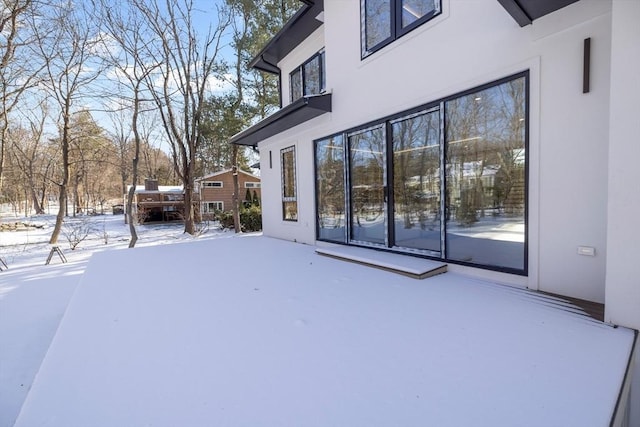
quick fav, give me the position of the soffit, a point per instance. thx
(295, 31)
(298, 112)
(526, 11)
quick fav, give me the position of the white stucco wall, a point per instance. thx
(472, 43)
(622, 304)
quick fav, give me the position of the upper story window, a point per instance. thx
(308, 78)
(218, 184)
(383, 21)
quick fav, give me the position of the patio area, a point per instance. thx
(254, 331)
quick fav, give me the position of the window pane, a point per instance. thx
(330, 189)
(377, 25)
(296, 85)
(485, 170)
(416, 182)
(413, 10)
(289, 198)
(367, 167)
(312, 83)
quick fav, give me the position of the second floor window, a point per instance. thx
(308, 78)
(383, 21)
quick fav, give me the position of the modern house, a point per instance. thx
(216, 190)
(154, 203)
(498, 136)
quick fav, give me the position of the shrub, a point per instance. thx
(250, 219)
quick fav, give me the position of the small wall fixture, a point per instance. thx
(586, 66)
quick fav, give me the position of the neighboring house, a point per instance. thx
(500, 136)
(153, 203)
(216, 191)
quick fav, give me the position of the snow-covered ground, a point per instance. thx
(33, 297)
(230, 330)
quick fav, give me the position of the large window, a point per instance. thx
(447, 180)
(308, 79)
(383, 21)
(486, 163)
(289, 193)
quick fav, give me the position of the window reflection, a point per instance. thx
(413, 10)
(367, 162)
(330, 189)
(289, 193)
(416, 177)
(377, 21)
(308, 79)
(485, 169)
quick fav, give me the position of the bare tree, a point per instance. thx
(128, 31)
(68, 47)
(188, 61)
(19, 69)
(27, 154)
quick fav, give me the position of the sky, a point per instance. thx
(246, 330)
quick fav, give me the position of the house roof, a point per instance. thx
(295, 30)
(297, 112)
(161, 189)
(222, 172)
(526, 11)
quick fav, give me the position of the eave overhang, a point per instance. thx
(300, 111)
(295, 31)
(524, 12)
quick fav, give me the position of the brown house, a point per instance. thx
(153, 203)
(216, 191)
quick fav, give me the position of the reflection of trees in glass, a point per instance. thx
(312, 76)
(412, 10)
(367, 174)
(296, 85)
(486, 152)
(377, 21)
(289, 198)
(330, 182)
(416, 169)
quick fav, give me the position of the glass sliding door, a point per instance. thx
(330, 189)
(485, 173)
(367, 189)
(445, 180)
(416, 182)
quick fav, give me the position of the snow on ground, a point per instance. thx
(33, 297)
(253, 331)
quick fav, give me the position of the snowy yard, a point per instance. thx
(246, 330)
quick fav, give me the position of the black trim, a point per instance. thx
(300, 111)
(295, 31)
(524, 12)
(396, 29)
(586, 66)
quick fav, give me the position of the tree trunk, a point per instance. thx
(130, 217)
(237, 226)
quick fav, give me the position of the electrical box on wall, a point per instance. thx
(586, 250)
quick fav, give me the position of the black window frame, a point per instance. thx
(320, 55)
(287, 186)
(440, 104)
(396, 28)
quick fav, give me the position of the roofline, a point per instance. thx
(294, 31)
(298, 112)
(212, 175)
